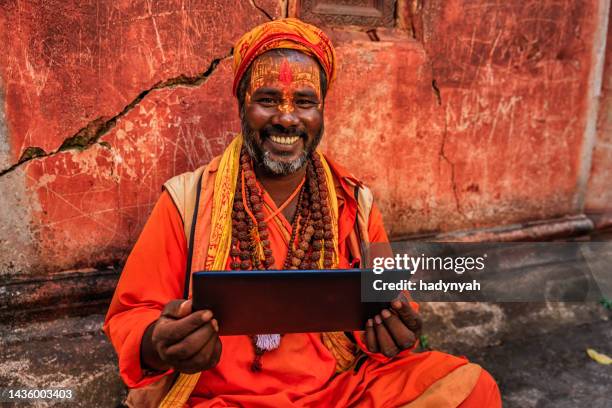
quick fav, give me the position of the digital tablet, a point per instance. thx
(288, 301)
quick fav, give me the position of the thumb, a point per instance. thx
(177, 309)
(185, 309)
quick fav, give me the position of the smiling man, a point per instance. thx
(271, 201)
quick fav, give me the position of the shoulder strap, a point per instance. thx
(185, 190)
(365, 200)
(191, 236)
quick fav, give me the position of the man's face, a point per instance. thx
(283, 111)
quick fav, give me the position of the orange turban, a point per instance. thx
(284, 33)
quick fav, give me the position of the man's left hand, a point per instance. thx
(393, 330)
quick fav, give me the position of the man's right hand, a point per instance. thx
(181, 339)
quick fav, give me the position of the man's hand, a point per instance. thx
(179, 339)
(393, 330)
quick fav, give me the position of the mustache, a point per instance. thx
(277, 130)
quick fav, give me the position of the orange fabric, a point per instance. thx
(301, 372)
(284, 33)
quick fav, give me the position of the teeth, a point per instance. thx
(284, 139)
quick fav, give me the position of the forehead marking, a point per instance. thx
(285, 76)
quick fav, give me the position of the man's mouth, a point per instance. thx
(284, 140)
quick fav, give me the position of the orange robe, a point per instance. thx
(301, 372)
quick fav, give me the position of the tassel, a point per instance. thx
(267, 342)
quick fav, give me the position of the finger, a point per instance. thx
(402, 336)
(190, 345)
(371, 337)
(385, 342)
(172, 309)
(172, 331)
(204, 359)
(407, 314)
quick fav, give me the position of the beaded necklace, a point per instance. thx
(311, 243)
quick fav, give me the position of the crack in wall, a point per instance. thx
(436, 90)
(90, 135)
(261, 9)
(442, 154)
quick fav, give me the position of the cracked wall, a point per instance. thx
(476, 121)
(106, 101)
(599, 193)
(474, 117)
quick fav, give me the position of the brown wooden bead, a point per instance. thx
(235, 265)
(255, 199)
(245, 264)
(329, 244)
(245, 255)
(234, 252)
(315, 255)
(328, 235)
(257, 207)
(318, 234)
(259, 216)
(326, 219)
(267, 253)
(240, 215)
(251, 183)
(243, 236)
(315, 206)
(325, 210)
(295, 261)
(317, 245)
(304, 246)
(328, 255)
(269, 262)
(299, 253)
(262, 225)
(263, 232)
(265, 243)
(244, 246)
(238, 205)
(310, 230)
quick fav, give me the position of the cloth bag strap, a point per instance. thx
(190, 234)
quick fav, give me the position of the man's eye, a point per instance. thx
(305, 103)
(266, 101)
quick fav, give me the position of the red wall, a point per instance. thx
(144, 89)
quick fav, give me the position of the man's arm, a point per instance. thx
(153, 276)
(395, 329)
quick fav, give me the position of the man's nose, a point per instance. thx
(287, 117)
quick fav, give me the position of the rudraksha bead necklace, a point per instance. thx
(311, 243)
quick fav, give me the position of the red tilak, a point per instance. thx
(284, 75)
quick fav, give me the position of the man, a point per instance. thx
(272, 201)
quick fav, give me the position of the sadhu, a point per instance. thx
(272, 200)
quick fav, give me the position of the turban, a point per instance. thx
(284, 33)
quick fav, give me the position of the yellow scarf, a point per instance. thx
(218, 251)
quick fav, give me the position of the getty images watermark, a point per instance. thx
(411, 264)
(488, 272)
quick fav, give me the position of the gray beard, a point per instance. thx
(275, 167)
